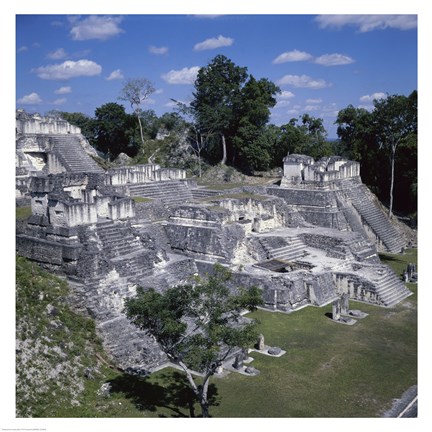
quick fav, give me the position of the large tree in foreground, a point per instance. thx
(197, 326)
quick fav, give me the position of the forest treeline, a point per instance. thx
(228, 122)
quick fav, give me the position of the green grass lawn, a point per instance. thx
(22, 212)
(329, 370)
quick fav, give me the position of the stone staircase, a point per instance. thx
(125, 250)
(72, 156)
(363, 250)
(169, 192)
(390, 289)
(373, 216)
(324, 289)
(117, 239)
(286, 248)
(201, 193)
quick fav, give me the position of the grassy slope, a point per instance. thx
(56, 348)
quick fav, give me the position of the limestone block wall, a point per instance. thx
(298, 169)
(357, 287)
(72, 214)
(133, 174)
(121, 209)
(102, 203)
(284, 292)
(196, 240)
(39, 203)
(36, 124)
(142, 174)
(305, 197)
(54, 166)
(56, 256)
(169, 174)
(293, 170)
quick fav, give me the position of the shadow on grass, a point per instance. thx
(390, 258)
(170, 390)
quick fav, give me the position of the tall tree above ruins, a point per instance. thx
(197, 326)
(374, 138)
(236, 107)
(113, 130)
(395, 120)
(217, 93)
(136, 91)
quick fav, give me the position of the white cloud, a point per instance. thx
(22, 48)
(313, 101)
(282, 103)
(366, 23)
(182, 76)
(293, 111)
(303, 81)
(285, 94)
(96, 27)
(68, 69)
(30, 99)
(60, 101)
(372, 97)
(63, 90)
(329, 111)
(292, 56)
(333, 60)
(309, 108)
(158, 50)
(115, 75)
(282, 99)
(212, 43)
(57, 54)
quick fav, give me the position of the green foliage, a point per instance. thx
(55, 346)
(22, 213)
(381, 138)
(199, 325)
(234, 108)
(211, 308)
(114, 131)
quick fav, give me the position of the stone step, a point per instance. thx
(373, 216)
(73, 156)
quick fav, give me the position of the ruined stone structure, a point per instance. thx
(311, 241)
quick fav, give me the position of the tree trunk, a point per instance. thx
(199, 391)
(204, 408)
(200, 147)
(224, 150)
(141, 131)
(393, 154)
(203, 396)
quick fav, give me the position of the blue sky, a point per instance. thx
(322, 63)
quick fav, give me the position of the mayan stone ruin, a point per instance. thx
(313, 240)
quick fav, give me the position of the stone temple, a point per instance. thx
(308, 242)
